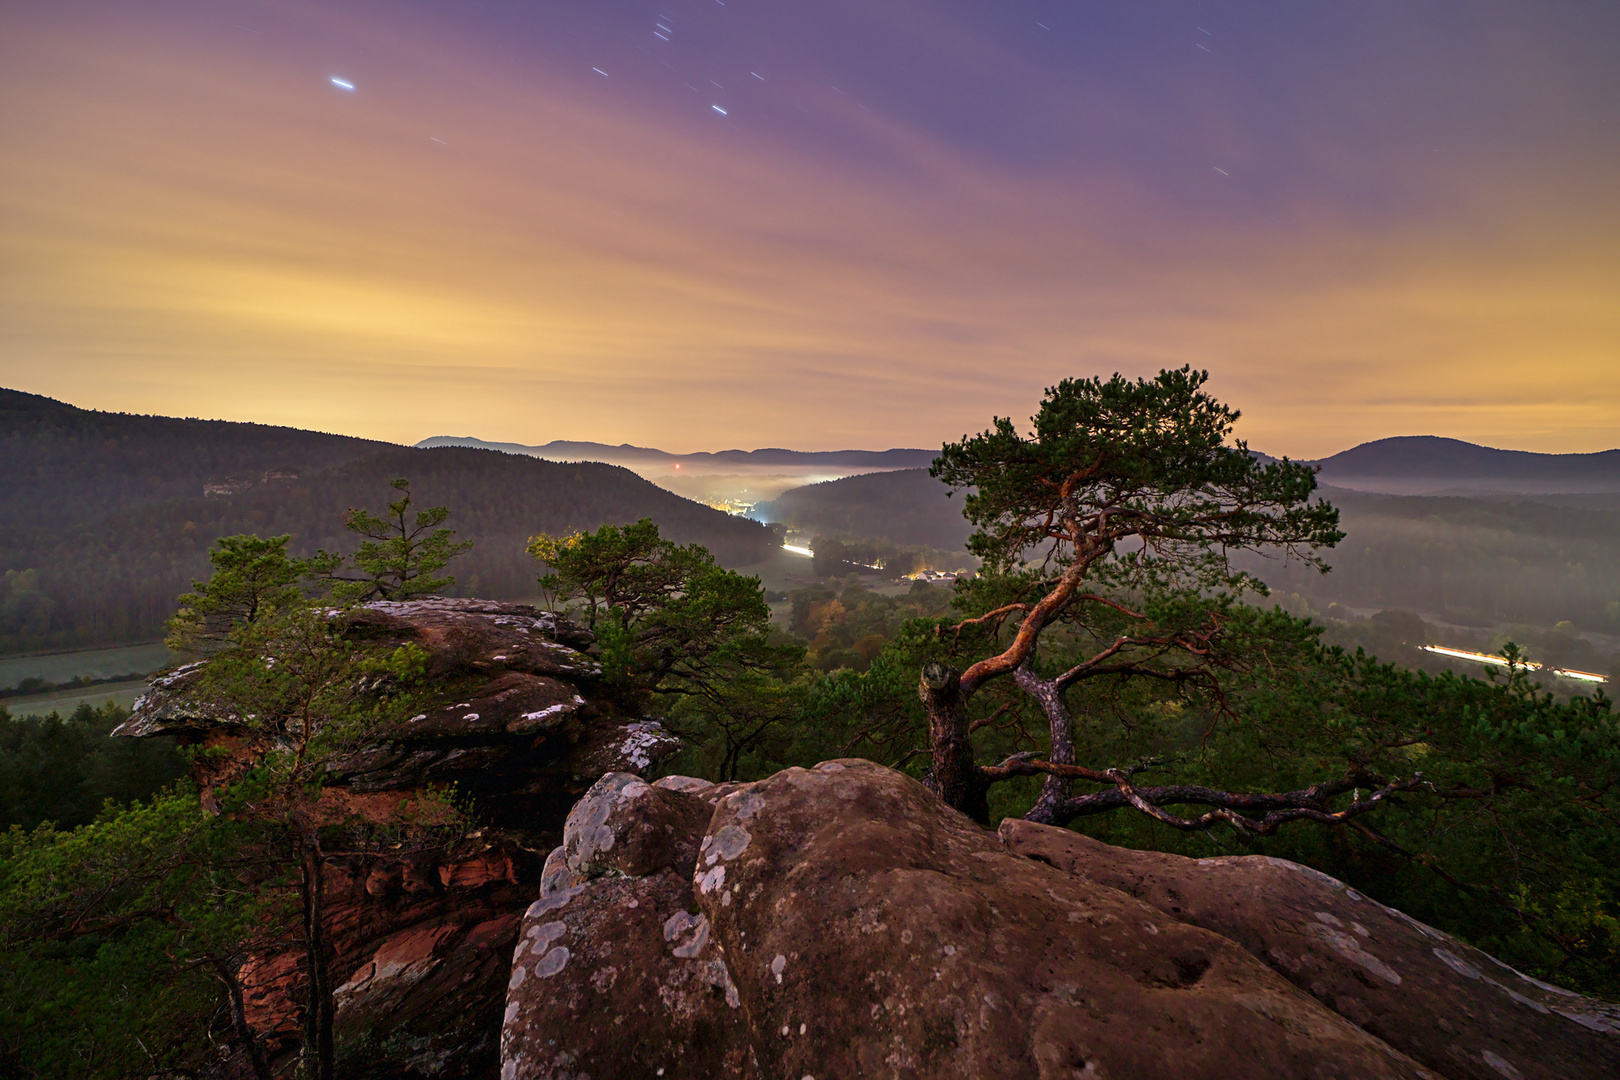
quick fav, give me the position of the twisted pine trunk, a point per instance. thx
(319, 1054)
(1056, 789)
(954, 777)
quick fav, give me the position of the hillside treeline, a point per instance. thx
(115, 579)
(64, 464)
(1471, 561)
(905, 507)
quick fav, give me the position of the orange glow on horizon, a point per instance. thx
(204, 232)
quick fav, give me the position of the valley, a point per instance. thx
(629, 673)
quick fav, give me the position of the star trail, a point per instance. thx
(693, 224)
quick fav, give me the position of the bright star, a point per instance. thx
(342, 84)
(718, 109)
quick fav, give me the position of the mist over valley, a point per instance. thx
(108, 516)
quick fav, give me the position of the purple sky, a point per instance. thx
(700, 225)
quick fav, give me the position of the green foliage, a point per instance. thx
(311, 694)
(253, 578)
(124, 938)
(670, 619)
(850, 628)
(1511, 844)
(1144, 462)
(62, 770)
(113, 938)
(1111, 526)
(399, 554)
(1130, 504)
(739, 708)
(623, 572)
(675, 628)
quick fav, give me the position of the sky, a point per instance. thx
(700, 225)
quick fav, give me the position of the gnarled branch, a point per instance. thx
(1234, 808)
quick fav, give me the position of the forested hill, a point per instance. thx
(906, 506)
(1428, 464)
(61, 464)
(115, 579)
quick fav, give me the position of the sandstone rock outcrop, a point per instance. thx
(841, 922)
(515, 722)
(615, 972)
(826, 923)
(871, 932)
(422, 945)
(1450, 1006)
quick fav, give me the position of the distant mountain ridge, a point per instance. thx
(626, 454)
(1433, 465)
(1400, 465)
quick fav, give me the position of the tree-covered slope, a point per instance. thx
(115, 579)
(63, 464)
(1475, 560)
(906, 506)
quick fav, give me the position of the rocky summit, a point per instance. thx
(825, 923)
(841, 922)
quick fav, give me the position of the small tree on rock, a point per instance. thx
(253, 578)
(398, 555)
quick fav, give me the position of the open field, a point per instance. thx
(89, 663)
(63, 702)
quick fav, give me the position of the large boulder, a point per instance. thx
(616, 973)
(870, 931)
(842, 922)
(629, 827)
(1446, 1004)
(422, 943)
(846, 923)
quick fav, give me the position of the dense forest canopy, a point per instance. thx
(65, 465)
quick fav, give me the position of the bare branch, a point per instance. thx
(1234, 808)
(1307, 805)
